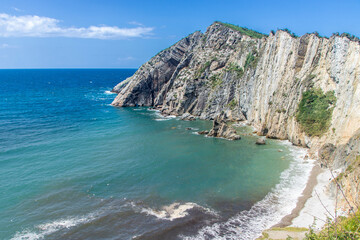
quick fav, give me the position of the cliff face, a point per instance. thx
(260, 80)
(227, 75)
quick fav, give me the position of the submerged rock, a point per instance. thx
(203, 132)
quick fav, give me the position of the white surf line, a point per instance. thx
(279, 202)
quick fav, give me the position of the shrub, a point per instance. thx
(289, 32)
(232, 104)
(251, 60)
(215, 81)
(202, 69)
(243, 30)
(343, 228)
(233, 67)
(315, 110)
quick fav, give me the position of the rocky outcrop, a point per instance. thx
(259, 80)
(222, 129)
(260, 141)
(187, 117)
(346, 159)
(148, 84)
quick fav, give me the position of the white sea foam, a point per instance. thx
(160, 117)
(269, 211)
(42, 230)
(172, 211)
(109, 92)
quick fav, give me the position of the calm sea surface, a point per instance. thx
(74, 167)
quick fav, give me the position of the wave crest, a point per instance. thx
(267, 212)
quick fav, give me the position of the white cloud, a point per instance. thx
(18, 9)
(35, 26)
(5, 45)
(136, 23)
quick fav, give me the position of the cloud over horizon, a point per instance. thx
(37, 26)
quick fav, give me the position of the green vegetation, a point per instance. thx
(290, 229)
(350, 36)
(343, 228)
(315, 111)
(204, 39)
(215, 80)
(202, 69)
(264, 236)
(251, 59)
(289, 32)
(232, 104)
(233, 67)
(353, 165)
(243, 30)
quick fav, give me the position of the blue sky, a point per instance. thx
(125, 34)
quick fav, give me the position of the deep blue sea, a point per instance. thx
(74, 167)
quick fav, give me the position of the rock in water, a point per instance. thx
(187, 117)
(260, 141)
(221, 129)
(203, 132)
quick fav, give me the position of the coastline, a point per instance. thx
(305, 196)
(316, 209)
(308, 211)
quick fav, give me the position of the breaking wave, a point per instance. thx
(42, 230)
(264, 214)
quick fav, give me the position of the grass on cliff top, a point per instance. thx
(243, 30)
(343, 228)
(315, 111)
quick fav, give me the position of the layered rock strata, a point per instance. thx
(258, 80)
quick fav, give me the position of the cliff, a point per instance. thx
(246, 76)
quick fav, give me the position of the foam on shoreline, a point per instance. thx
(277, 203)
(315, 210)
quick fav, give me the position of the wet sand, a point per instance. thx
(306, 194)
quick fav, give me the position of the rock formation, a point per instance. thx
(221, 129)
(255, 78)
(260, 141)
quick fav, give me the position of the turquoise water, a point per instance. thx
(74, 167)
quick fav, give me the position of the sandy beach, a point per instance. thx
(320, 203)
(306, 194)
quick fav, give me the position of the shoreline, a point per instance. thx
(316, 209)
(305, 196)
(308, 207)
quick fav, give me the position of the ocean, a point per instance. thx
(74, 167)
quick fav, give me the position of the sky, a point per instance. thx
(125, 34)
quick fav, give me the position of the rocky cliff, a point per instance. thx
(260, 79)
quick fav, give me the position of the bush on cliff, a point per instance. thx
(342, 228)
(315, 111)
(243, 30)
